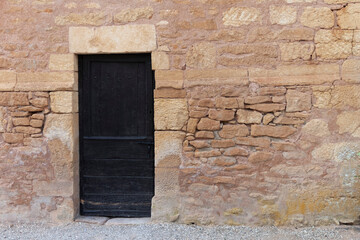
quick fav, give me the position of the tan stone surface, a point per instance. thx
(207, 124)
(238, 16)
(333, 44)
(201, 55)
(223, 161)
(296, 75)
(293, 51)
(170, 114)
(131, 39)
(339, 97)
(64, 102)
(39, 102)
(46, 81)
(166, 181)
(7, 80)
(247, 116)
(256, 142)
(13, 137)
(13, 99)
(351, 70)
(36, 123)
(95, 19)
(63, 62)
(160, 60)
(316, 127)
(61, 132)
(283, 15)
(297, 101)
(168, 148)
(349, 122)
(349, 16)
(321, 17)
(259, 157)
(222, 143)
(21, 121)
(236, 151)
(272, 131)
(221, 115)
(131, 15)
(231, 131)
(267, 107)
(204, 135)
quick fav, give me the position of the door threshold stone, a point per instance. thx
(92, 220)
(127, 221)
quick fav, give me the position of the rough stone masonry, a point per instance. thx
(257, 106)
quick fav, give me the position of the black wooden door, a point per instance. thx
(116, 135)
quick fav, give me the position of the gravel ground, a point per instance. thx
(172, 232)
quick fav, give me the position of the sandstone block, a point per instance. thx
(228, 35)
(349, 122)
(207, 154)
(333, 44)
(296, 34)
(168, 148)
(288, 120)
(222, 143)
(223, 161)
(130, 38)
(284, 146)
(316, 127)
(238, 16)
(267, 107)
(64, 102)
(21, 121)
(191, 126)
(321, 17)
(217, 77)
(36, 123)
(228, 103)
(169, 93)
(349, 16)
(46, 81)
(206, 102)
(200, 144)
(95, 19)
(257, 99)
(351, 70)
(131, 15)
(39, 116)
(198, 113)
(221, 115)
(7, 80)
(271, 131)
(268, 118)
(20, 114)
(204, 135)
(248, 117)
(231, 131)
(166, 181)
(201, 55)
(61, 132)
(296, 75)
(13, 99)
(39, 102)
(13, 137)
(255, 142)
(30, 109)
(283, 15)
(277, 91)
(293, 51)
(258, 157)
(207, 124)
(170, 114)
(160, 60)
(236, 151)
(63, 62)
(297, 101)
(28, 130)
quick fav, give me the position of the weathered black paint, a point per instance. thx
(116, 135)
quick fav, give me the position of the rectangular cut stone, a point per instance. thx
(13, 99)
(63, 62)
(64, 102)
(112, 39)
(216, 77)
(296, 75)
(7, 80)
(46, 81)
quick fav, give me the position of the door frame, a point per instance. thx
(141, 38)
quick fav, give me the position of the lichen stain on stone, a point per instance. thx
(233, 211)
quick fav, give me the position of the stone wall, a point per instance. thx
(257, 106)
